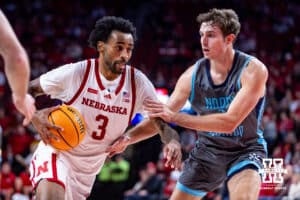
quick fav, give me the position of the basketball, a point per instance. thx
(73, 126)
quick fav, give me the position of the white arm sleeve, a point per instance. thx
(144, 90)
(63, 82)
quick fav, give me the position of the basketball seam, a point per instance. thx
(62, 137)
(73, 125)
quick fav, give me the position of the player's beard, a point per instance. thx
(116, 68)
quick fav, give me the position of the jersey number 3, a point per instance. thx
(100, 133)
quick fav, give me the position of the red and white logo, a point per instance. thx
(126, 97)
(107, 96)
(91, 90)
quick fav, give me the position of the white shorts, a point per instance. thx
(49, 164)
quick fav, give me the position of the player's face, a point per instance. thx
(212, 40)
(118, 51)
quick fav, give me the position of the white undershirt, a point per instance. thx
(111, 86)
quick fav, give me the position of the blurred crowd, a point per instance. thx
(56, 32)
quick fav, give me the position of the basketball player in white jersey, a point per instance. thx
(17, 69)
(108, 93)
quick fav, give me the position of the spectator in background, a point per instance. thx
(27, 187)
(285, 124)
(111, 180)
(149, 187)
(19, 142)
(23, 159)
(296, 157)
(294, 191)
(7, 178)
(103, 183)
(119, 175)
(270, 131)
(18, 193)
(282, 189)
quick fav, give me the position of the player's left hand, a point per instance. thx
(118, 146)
(173, 155)
(157, 109)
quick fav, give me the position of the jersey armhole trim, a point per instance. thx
(121, 82)
(86, 74)
(193, 81)
(243, 67)
(133, 87)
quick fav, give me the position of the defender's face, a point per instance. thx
(118, 51)
(212, 40)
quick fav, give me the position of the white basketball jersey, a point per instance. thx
(107, 114)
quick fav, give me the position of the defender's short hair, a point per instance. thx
(226, 19)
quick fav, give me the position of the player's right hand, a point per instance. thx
(118, 146)
(42, 125)
(25, 105)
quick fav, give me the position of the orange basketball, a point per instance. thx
(73, 126)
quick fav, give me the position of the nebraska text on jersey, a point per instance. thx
(104, 107)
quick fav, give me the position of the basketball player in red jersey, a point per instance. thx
(108, 93)
(16, 68)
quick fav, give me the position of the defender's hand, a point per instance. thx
(157, 109)
(25, 105)
(173, 155)
(118, 146)
(42, 125)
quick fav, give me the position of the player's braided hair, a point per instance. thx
(106, 25)
(226, 19)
